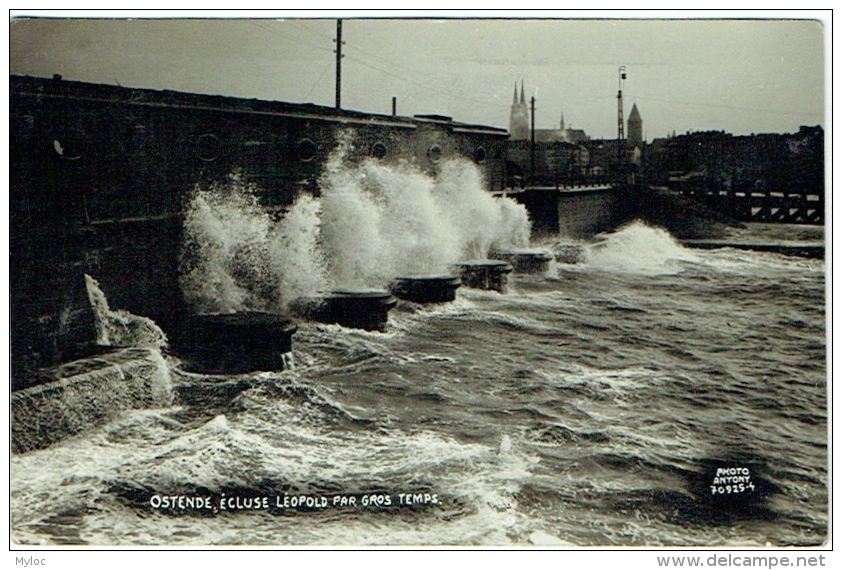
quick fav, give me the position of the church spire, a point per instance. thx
(635, 127)
(519, 118)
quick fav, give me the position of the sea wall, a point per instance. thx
(86, 393)
(583, 213)
(574, 212)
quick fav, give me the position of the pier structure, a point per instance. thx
(756, 203)
(765, 177)
(571, 210)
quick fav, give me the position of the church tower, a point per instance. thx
(519, 118)
(635, 128)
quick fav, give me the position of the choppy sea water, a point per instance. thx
(591, 406)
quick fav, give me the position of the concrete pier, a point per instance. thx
(573, 211)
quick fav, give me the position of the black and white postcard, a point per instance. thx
(482, 280)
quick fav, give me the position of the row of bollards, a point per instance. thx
(249, 341)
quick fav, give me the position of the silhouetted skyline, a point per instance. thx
(741, 76)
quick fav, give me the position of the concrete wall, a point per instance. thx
(582, 214)
(573, 213)
(87, 393)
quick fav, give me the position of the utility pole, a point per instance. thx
(532, 145)
(338, 41)
(620, 129)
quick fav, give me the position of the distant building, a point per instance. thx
(549, 135)
(603, 157)
(635, 128)
(520, 130)
(576, 136)
(519, 117)
(716, 159)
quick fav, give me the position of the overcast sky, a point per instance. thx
(741, 76)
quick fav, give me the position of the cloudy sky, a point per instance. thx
(741, 76)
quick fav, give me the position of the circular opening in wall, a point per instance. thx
(69, 145)
(480, 155)
(434, 153)
(208, 147)
(378, 150)
(306, 150)
(137, 138)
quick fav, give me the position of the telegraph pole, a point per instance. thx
(338, 41)
(620, 128)
(532, 145)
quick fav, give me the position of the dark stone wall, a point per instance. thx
(100, 175)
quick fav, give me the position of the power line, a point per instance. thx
(426, 86)
(395, 75)
(295, 24)
(729, 107)
(353, 47)
(319, 80)
(369, 65)
(281, 35)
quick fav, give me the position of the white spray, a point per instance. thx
(236, 257)
(639, 249)
(382, 221)
(372, 223)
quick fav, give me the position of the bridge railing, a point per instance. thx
(797, 206)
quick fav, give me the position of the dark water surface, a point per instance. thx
(589, 406)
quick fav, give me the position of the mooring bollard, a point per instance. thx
(232, 343)
(426, 289)
(524, 260)
(569, 253)
(490, 275)
(367, 310)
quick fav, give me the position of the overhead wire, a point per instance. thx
(295, 24)
(319, 80)
(729, 107)
(271, 30)
(426, 86)
(394, 75)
